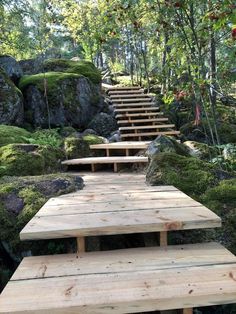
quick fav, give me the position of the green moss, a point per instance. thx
(12, 134)
(76, 148)
(52, 80)
(82, 67)
(92, 139)
(17, 160)
(190, 175)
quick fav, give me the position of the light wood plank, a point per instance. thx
(150, 134)
(130, 95)
(129, 100)
(122, 145)
(146, 127)
(144, 114)
(138, 121)
(142, 110)
(105, 160)
(137, 104)
(122, 293)
(80, 225)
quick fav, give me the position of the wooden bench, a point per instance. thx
(123, 281)
(126, 146)
(93, 161)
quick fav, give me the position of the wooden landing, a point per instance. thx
(118, 206)
(123, 281)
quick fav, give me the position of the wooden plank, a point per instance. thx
(130, 121)
(146, 127)
(145, 114)
(150, 134)
(105, 223)
(188, 311)
(50, 209)
(128, 95)
(135, 259)
(105, 160)
(122, 88)
(122, 145)
(125, 92)
(163, 239)
(137, 109)
(123, 292)
(80, 245)
(138, 104)
(129, 100)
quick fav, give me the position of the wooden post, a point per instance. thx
(164, 239)
(188, 311)
(93, 167)
(115, 167)
(80, 244)
(108, 152)
(127, 152)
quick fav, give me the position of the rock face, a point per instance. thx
(201, 150)
(73, 100)
(28, 159)
(103, 124)
(11, 101)
(11, 67)
(165, 144)
(31, 66)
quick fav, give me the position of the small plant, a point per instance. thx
(45, 137)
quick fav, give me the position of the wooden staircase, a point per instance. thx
(139, 120)
(134, 280)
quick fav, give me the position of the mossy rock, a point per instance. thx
(81, 67)
(11, 102)
(201, 133)
(191, 175)
(201, 150)
(93, 139)
(28, 159)
(76, 148)
(12, 134)
(20, 199)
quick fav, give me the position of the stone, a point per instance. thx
(31, 66)
(11, 67)
(115, 137)
(11, 101)
(201, 150)
(103, 124)
(76, 148)
(88, 132)
(28, 159)
(72, 100)
(165, 144)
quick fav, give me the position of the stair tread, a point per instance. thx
(130, 96)
(172, 132)
(129, 100)
(146, 279)
(140, 114)
(143, 127)
(105, 160)
(122, 145)
(142, 120)
(134, 104)
(138, 109)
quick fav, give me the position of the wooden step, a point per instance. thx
(155, 209)
(125, 92)
(147, 134)
(139, 115)
(126, 96)
(122, 281)
(122, 145)
(147, 127)
(130, 100)
(123, 88)
(138, 121)
(141, 110)
(138, 104)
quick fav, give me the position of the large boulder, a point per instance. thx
(72, 99)
(11, 67)
(20, 199)
(29, 159)
(76, 147)
(165, 144)
(191, 175)
(103, 124)
(11, 101)
(31, 66)
(12, 134)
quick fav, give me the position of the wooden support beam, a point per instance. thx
(93, 167)
(80, 244)
(188, 311)
(115, 167)
(164, 239)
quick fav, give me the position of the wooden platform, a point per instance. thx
(123, 208)
(123, 281)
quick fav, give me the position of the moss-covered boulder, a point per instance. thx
(93, 139)
(76, 147)
(11, 101)
(103, 124)
(82, 67)
(202, 132)
(29, 159)
(20, 199)
(12, 134)
(165, 144)
(191, 175)
(201, 150)
(72, 99)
